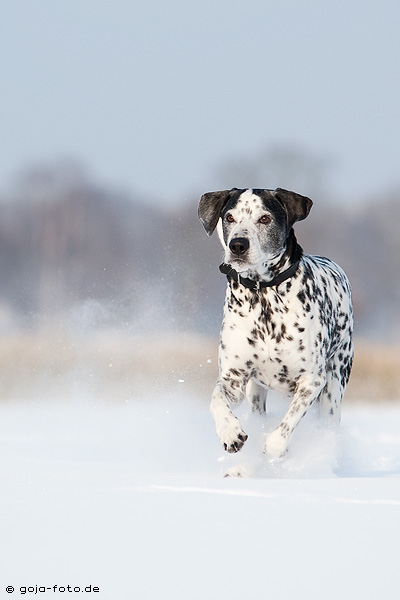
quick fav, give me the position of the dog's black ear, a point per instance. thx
(296, 206)
(210, 208)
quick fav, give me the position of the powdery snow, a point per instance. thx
(130, 498)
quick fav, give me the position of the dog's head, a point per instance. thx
(253, 225)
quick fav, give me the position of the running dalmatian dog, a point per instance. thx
(288, 320)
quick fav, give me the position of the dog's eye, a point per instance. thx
(229, 218)
(264, 219)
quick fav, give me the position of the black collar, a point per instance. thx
(251, 284)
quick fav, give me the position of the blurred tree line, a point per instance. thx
(77, 253)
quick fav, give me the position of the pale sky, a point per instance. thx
(153, 96)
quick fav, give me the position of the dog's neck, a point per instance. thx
(273, 272)
(290, 255)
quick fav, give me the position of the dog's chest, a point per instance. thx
(266, 335)
(263, 316)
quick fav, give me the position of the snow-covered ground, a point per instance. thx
(130, 498)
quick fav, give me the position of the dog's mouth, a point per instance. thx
(240, 265)
(251, 263)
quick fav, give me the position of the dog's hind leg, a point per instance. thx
(337, 375)
(257, 397)
(330, 398)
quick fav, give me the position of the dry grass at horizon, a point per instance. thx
(376, 373)
(112, 366)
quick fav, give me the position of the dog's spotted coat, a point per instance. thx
(294, 337)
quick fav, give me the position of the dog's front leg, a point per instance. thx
(228, 428)
(307, 391)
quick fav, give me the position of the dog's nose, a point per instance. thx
(239, 246)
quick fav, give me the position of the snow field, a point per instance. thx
(130, 498)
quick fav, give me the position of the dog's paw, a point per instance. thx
(235, 444)
(275, 446)
(232, 435)
(238, 471)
